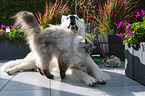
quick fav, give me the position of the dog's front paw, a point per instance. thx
(10, 71)
(101, 78)
(101, 81)
(90, 81)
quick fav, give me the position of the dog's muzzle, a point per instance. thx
(72, 24)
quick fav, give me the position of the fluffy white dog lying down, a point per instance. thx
(57, 48)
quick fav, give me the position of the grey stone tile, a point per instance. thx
(124, 91)
(26, 93)
(68, 88)
(118, 77)
(119, 80)
(34, 84)
(2, 84)
(4, 76)
(28, 81)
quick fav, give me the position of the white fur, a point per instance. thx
(76, 72)
(65, 21)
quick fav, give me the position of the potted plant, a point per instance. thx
(12, 43)
(134, 40)
(107, 18)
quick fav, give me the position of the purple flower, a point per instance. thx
(142, 12)
(121, 35)
(2, 31)
(3, 26)
(137, 14)
(127, 32)
(119, 24)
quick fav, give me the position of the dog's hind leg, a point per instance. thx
(63, 66)
(46, 72)
(64, 63)
(43, 65)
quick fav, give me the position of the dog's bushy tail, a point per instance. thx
(28, 23)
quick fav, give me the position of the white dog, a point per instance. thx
(74, 53)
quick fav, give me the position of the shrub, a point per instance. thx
(110, 13)
(91, 36)
(15, 34)
(9, 8)
(53, 13)
(134, 33)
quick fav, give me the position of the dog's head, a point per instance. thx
(74, 23)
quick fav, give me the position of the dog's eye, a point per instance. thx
(67, 18)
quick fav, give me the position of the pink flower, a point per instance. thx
(12, 27)
(127, 24)
(127, 32)
(137, 14)
(2, 31)
(119, 24)
(3, 26)
(124, 22)
(121, 35)
(142, 12)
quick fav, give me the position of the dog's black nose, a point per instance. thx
(72, 20)
(72, 17)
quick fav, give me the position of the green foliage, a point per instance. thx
(16, 35)
(90, 36)
(53, 13)
(83, 7)
(137, 35)
(9, 8)
(110, 13)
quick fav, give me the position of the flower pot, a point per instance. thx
(135, 62)
(111, 45)
(10, 50)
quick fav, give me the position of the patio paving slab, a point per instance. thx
(33, 84)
